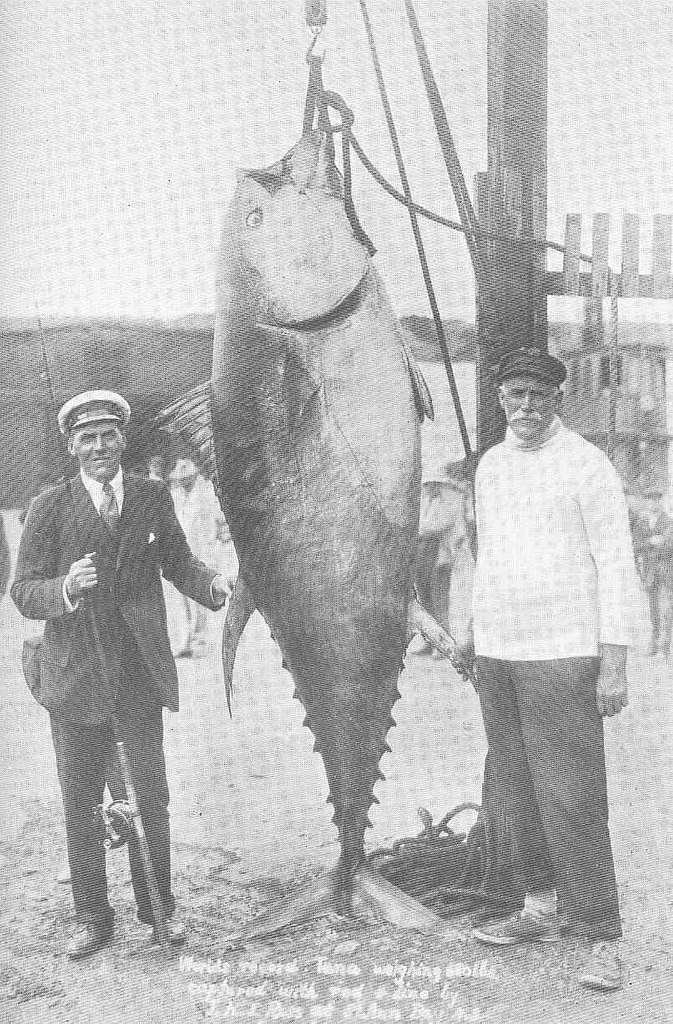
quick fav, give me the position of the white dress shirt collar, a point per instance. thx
(95, 489)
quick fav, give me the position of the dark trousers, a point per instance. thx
(86, 759)
(545, 739)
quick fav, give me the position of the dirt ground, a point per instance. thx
(249, 819)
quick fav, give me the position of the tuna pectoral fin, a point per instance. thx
(240, 608)
(419, 620)
(422, 396)
(394, 905)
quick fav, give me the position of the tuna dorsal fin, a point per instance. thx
(422, 396)
(240, 608)
(190, 418)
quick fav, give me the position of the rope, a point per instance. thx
(454, 225)
(439, 327)
(313, 90)
(434, 866)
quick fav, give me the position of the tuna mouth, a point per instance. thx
(339, 313)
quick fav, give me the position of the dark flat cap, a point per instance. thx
(531, 362)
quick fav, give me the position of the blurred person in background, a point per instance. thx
(156, 469)
(445, 561)
(652, 532)
(200, 517)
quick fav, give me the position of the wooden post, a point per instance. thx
(512, 197)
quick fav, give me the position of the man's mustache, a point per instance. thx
(527, 416)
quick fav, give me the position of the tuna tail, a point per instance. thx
(241, 606)
(331, 892)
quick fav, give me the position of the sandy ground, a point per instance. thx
(249, 819)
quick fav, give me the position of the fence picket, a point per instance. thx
(599, 268)
(571, 256)
(661, 257)
(630, 283)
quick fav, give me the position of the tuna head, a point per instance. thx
(296, 252)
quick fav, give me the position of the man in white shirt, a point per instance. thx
(90, 562)
(555, 606)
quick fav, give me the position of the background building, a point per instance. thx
(644, 399)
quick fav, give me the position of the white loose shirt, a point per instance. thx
(555, 574)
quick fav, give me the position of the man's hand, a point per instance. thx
(467, 656)
(467, 660)
(612, 686)
(221, 589)
(81, 578)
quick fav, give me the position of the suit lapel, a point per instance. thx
(133, 518)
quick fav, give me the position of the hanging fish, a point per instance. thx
(316, 403)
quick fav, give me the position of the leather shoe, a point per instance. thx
(88, 938)
(176, 932)
(521, 926)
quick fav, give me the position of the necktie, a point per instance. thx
(109, 510)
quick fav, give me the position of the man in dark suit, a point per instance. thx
(90, 562)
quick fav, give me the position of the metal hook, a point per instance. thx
(317, 31)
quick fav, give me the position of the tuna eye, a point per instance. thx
(254, 218)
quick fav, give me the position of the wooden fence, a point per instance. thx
(592, 280)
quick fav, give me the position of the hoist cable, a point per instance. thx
(439, 328)
(461, 194)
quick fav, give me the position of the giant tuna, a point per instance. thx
(316, 404)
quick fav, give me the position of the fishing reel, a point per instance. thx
(113, 823)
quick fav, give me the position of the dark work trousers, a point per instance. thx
(86, 758)
(545, 739)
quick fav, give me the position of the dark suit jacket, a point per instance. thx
(62, 526)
